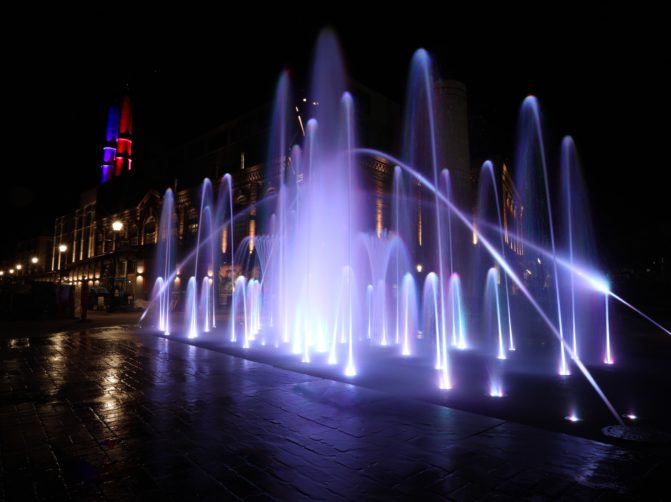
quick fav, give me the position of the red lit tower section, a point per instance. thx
(123, 161)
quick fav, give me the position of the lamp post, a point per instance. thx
(62, 248)
(117, 226)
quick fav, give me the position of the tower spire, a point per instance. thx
(123, 161)
(110, 146)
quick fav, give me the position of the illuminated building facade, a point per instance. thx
(87, 246)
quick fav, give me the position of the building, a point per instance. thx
(109, 240)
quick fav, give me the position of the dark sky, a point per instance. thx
(599, 76)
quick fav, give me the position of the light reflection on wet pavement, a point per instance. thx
(112, 413)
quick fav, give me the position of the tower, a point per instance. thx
(123, 161)
(118, 148)
(109, 149)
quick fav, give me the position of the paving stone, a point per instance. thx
(118, 414)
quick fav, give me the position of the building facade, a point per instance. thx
(109, 241)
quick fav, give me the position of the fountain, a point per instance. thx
(322, 279)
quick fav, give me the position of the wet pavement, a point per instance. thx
(113, 413)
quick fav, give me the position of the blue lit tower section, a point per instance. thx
(109, 150)
(123, 161)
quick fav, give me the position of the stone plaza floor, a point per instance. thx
(116, 414)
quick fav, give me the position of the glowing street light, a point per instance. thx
(18, 266)
(117, 226)
(34, 260)
(11, 270)
(62, 248)
(2, 272)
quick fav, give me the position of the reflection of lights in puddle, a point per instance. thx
(111, 404)
(18, 343)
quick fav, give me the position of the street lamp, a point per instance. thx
(117, 226)
(2, 272)
(11, 270)
(62, 248)
(18, 266)
(34, 260)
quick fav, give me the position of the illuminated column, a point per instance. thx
(252, 216)
(109, 150)
(54, 249)
(92, 231)
(123, 161)
(82, 232)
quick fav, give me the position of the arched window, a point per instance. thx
(150, 231)
(133, 235)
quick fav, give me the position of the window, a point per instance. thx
(150, 231)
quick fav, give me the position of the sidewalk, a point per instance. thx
(115, 414)
(39, 327)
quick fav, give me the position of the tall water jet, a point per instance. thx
(206, 308)
(223, 244)
(431, 314)
(578, 237)
(456, 312)
(191, 310)
(347, 106)
(369, 305)
(492, 291)
(157, 293)
(239, 304)
(253, 308)
(488, 184)
(530, 163)
(409, 312)
(165, 260)
(421, 150)
(609, 356)
(279, 166)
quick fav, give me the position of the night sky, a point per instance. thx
(599, 76)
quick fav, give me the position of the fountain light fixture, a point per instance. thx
(599, 284)
(62, 248)
(630, 416)
(573, 418)
(117, 225)
(34, 260)
(419, 267)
